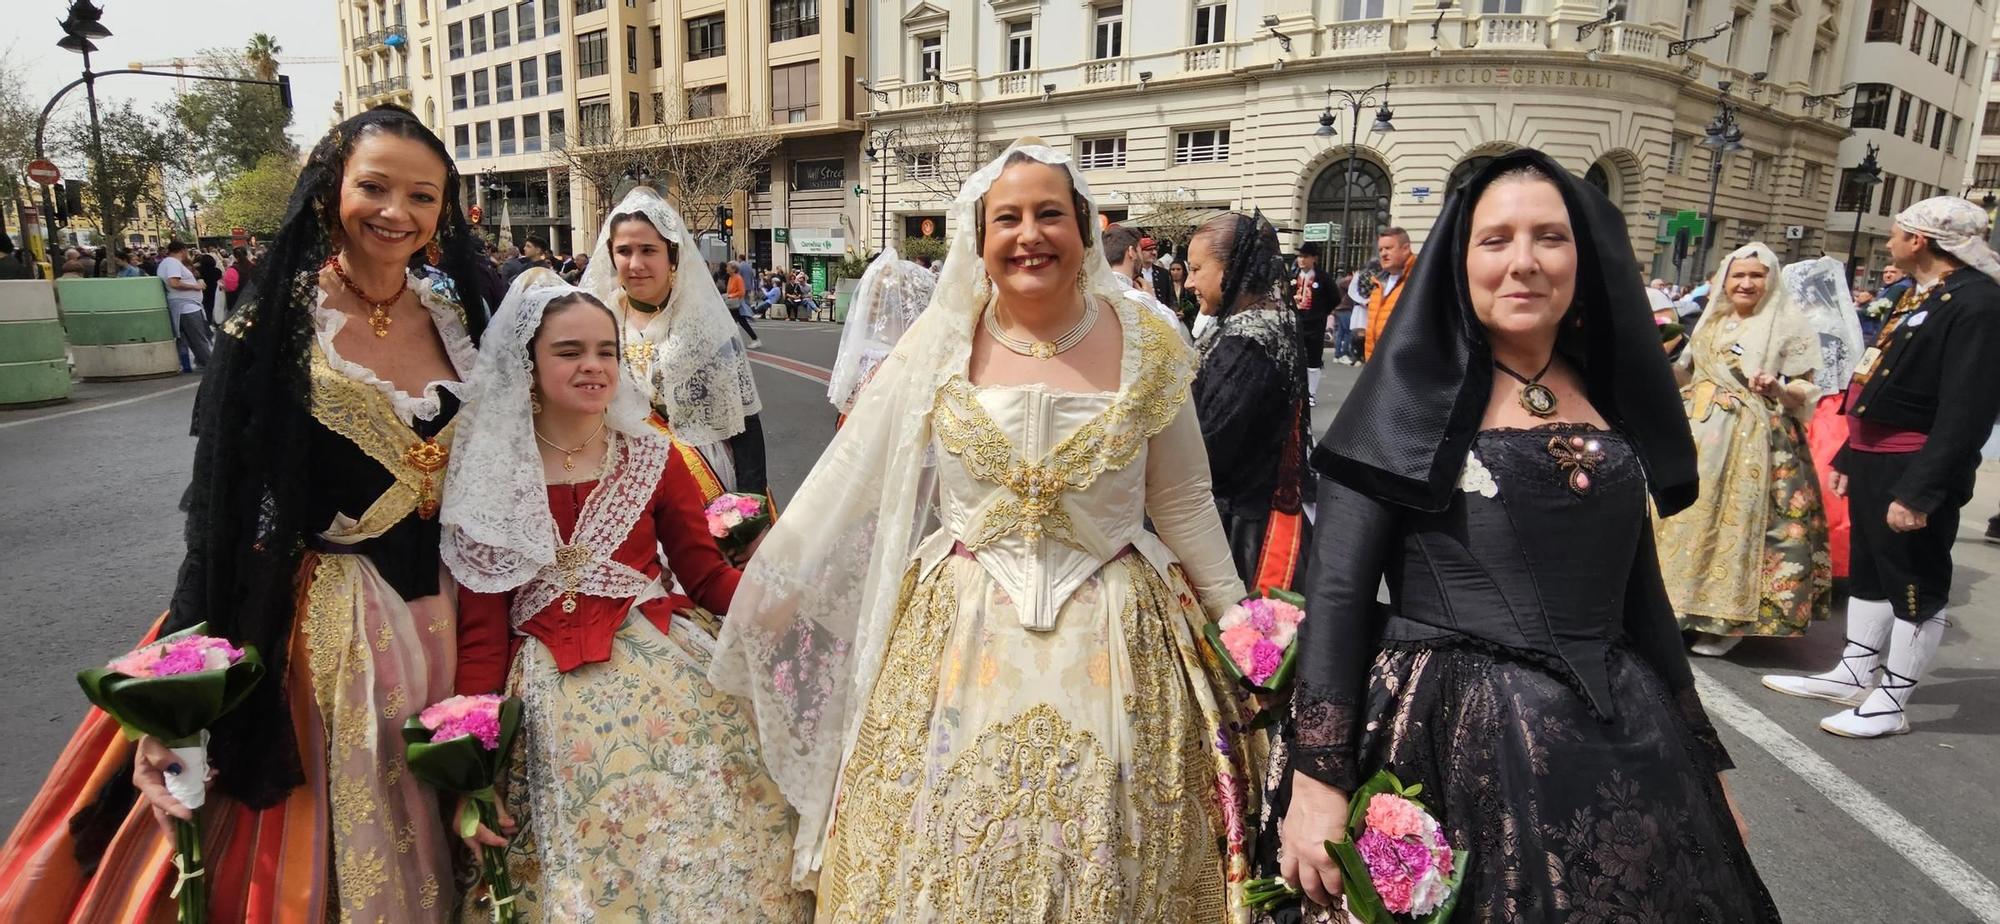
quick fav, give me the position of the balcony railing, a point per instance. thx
(1634, 40)
(787, 29)
(1017, 83)
(1512, 32)
(920, 94)
(1359, 35)
(698, 130)
(1208, 58)
(1104, 72)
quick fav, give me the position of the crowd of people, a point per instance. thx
(964, 674)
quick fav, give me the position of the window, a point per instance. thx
(1885, 20)
(590, 54)
(531, 133)
(792, 19)
(762, 182)
(795, 93)
(1109, 35)
(656, 48)
(847, 16)
(502, 35)
(427, 59)
(1760, 172)
(1990, 126)
(1937, 39)
(1100, 153)
(1951, 140)
(1351, 10)
(819, 174)
(476, 26)
(1677, 154)
(1500, 6)
(503, 83)
(1986, 173)
(1917, 31)
(930, 56)
(1903, 115)
(707, 102)
(632, 109)
(552, 72)
(659, 109)
(1937, 128)
(457, 92)
(1020, 45)
(1889, 186)
(482, 94)
(524, 21)
(1201, 146)
(1809, 181)
(1871, 105)
(1951, 60)
(588, 6)
(594, 121)
(705, 38)
(484, 133)
(631, 49)
(530, 85)
(918, 165)
(551, 17)
(461, 141)
(506, 136)
(557, 138)
(1853, 192)
(1777, 51)
(1208, 23)
(455, 40)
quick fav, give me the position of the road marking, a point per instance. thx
(1936, 861)
(98, 407)
(804, 370)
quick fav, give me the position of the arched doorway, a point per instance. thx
(1360, 207)
(1463, 173)
(1601, 178)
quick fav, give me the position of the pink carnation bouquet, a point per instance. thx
(461, 745)
(174, 689)
(1255, 639)
(1395, 865)
(736, 521)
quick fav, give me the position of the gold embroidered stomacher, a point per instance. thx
(364, 415)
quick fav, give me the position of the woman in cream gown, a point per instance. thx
(978, 676)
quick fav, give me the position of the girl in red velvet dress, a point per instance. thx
(638, 791)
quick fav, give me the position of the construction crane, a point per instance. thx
(181, 65)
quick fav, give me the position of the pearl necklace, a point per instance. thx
(1044, 349)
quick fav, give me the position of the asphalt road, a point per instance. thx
(1904, 829)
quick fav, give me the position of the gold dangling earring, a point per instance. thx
(1083, 282)
(982, 291)
(434, 253)
(534, 402)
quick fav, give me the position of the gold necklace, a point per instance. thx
(1043, 349)
(378, 309)
(569, 455)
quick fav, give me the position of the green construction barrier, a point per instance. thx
(34, 366)
(118, 328)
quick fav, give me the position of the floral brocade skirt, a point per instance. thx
(639, 790)
(1568, 818)
(1083, 775)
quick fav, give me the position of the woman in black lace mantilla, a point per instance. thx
(1494, 464)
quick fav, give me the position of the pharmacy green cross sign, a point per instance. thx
(1691, 222)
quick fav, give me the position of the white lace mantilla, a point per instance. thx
(585, 564)
(450, 323)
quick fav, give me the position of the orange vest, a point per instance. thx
(1381, 303)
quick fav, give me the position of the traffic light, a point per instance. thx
(725, 220)
(73, 198)
(57, 205)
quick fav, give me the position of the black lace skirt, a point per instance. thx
(1568, 818)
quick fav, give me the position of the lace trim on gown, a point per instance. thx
(450, 323)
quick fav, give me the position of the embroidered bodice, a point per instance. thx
(1044, 486)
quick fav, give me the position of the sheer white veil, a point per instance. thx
(497, 529)
(700, 375)
(1819, 289)
(806, 632)
(890, 296)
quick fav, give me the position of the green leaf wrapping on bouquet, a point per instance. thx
(462, 764)
(1279, 593)
(1357, 804)
(745, 534)
(173, 709)
(1362, 900)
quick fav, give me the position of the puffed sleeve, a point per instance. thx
(682, 528)
(1656, 637)
(1354, 542)
(482, 641)
(1182, 505)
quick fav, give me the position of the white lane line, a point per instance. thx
(1936, 861)
(98, 407)
(786, 365)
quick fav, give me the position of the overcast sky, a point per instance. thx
(156, 30)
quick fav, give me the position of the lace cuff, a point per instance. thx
(1696, 718)
(1324, 737)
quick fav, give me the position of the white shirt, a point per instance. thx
(182, 301)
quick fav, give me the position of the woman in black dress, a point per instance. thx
(1250, 394)
(1493, 464)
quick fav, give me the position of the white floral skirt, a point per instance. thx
(640, 791)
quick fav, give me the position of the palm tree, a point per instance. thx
(262, 53)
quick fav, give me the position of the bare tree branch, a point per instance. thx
(697, 165)
(939, 150)
(1166, 214)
